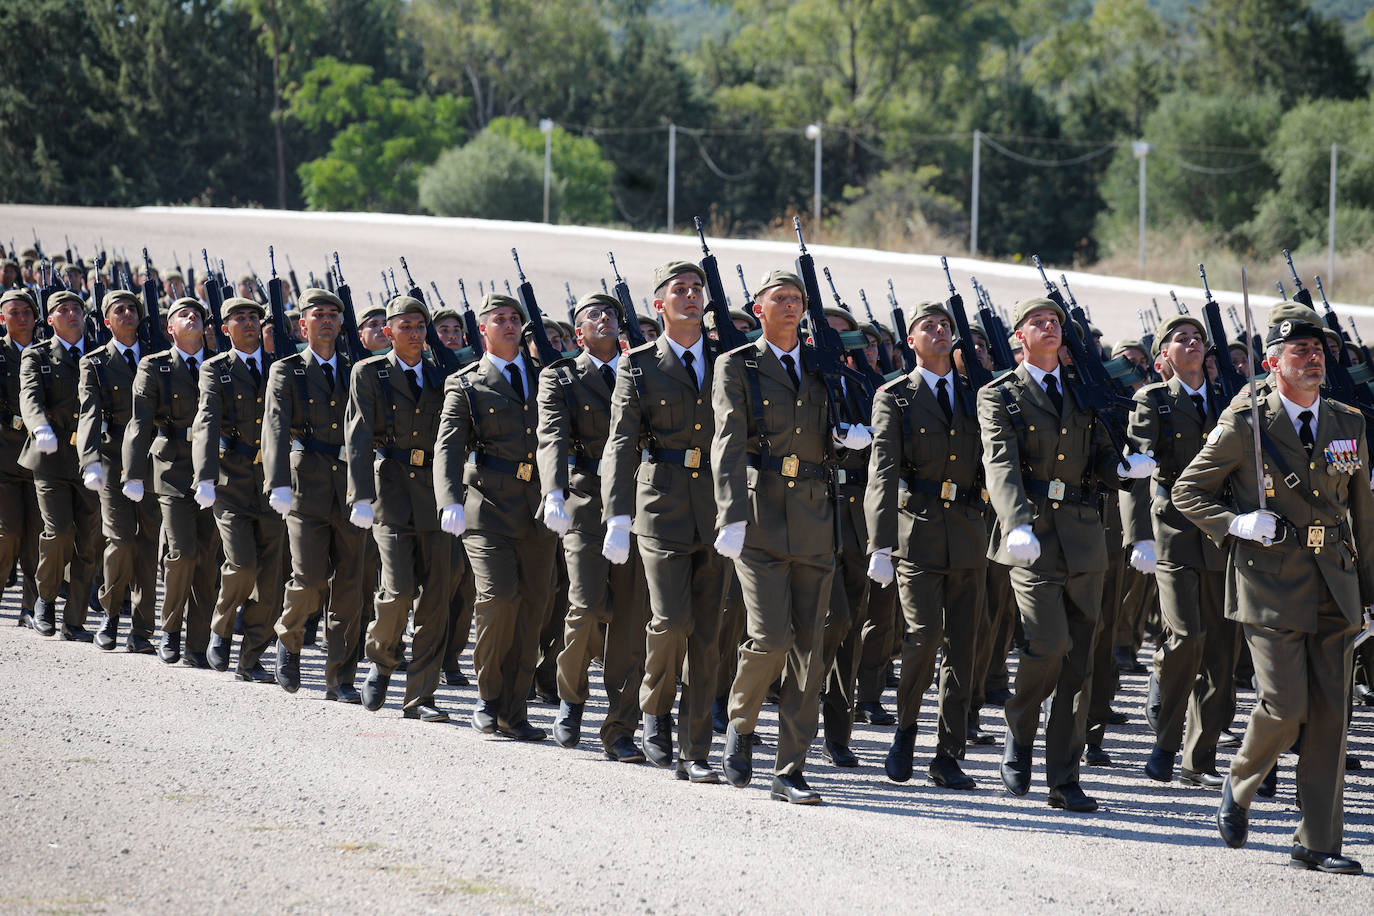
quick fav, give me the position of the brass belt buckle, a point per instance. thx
(949, 490)
(417, 457)
(1316, 535)
(525, 471)
(1057, 489)
(790, 466)
(692, 459)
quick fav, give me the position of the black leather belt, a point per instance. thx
(415, 457)
(1315, 536)
(1059, 491)
(176, 435)
(947, 490)
(846, 477)
(688, 458)
(242, 448)
(522, 470)
(585, 465)
(789, 466)
(315, 445)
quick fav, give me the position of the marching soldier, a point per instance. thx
(776, 516)
(662, 409)
(130, 528)
(1044, 456)
(20, 522)
(925, 430)
(574, 422)
(307, 480)
(166, 396)
(392, 427)
(1300, 571)
(49, 380)
(492, 501)
(1193, 666)
(226, 449)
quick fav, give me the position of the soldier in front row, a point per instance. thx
(1301, 570)
(19, 518)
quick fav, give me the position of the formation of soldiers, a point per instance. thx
(712, 526)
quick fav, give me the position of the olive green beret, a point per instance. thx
(780, 278)
(566, 328)
(1286, 311)
(834, 311)
(9, 262)
(978, 331)
(1170, 325)
(406, 305)
(495, 301)
(1238, 345)
(247, 278)
(741, 314)
(1122, 346)
(1026, 306)
(312, 296)
(64, 295)
(173, 275)
(21, 295)
(377, 310)
(1332, 336)
(446, 314)
(665, 272)
(1097, 332)
(929, 307)
(597, 299)
(189, 302)
(118, 295)
(234, 303)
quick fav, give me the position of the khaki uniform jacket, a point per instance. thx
(401, 488)
(574, 423)
(924, 528)
(669, 501)
(49, 382)
(318, 480)
(166, 395)
(1266, 585)
(107, 405)
(1147, 507)
(500, 426)
(231, 411)
(1069, 447)
(12, 431)
(787, 516)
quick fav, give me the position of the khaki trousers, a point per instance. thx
(20, 524)
(415, 576)
(250, 578)
(190, 569)
(326, 553)
(68, 545)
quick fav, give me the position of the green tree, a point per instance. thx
(384, 136)
(576, 161)
(489, 178)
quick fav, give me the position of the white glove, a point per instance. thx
(1143, 557)
(1368, 631)
(453, 519)
(880, 566)
(1023, 545)
(132, 490)
(94, 476)
(205, 493)
(1136, 467)
(1260, 525)
(361, 514)
(556, 513)
(616, 545)
(280, 500)
(45, 439)
(856, 437)
(730, 541)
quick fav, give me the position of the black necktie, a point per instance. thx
(790, 365)
(690, 362)
(1200, 404)
(608, 377)
(414, 378)
(133, 363)
(942, 395)
(328, 371)
(192, 364)
(516, 381)
(253, 371)
(1052, 389)
(75, 352)
(1309, 441)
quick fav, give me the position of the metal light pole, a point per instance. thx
(546, 128)
(1331, 225)
(1140, 149)
(813, 132)
(672, 173)
(973, 205)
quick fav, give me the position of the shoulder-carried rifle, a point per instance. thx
(728, 337)
(446, 359)
(1228, 378)
(152, 337)
(534, 328)
(353, 343)
(826, 357)
(634, 334)
(974, 372)
(899, 330)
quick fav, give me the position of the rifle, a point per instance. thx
(214, 297)
(634, 334)
(884, 358)
(854, 342)
(37, 245)
(96, 331)
(728, 337)
(467, 354)
(1228, 378)
(1178, 306)
(448, 360)
(386, 288)
(826, 358)
(974, 372)
(150, 332)
(68, 250)
(1093, 388)
(470, 330)
(899, 330)
(534, 328)
(1002, 358)
(295, 284)
(283, 341)
(354, 343)
(1283, 294)
(744, 285)
(1147, 335)
(1299, 294)
(1330, 312)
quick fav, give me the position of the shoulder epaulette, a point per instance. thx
(895, 383)
(1345, 408)
(373, 360)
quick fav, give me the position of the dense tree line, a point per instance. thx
(350, 104)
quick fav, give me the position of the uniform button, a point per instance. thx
(412, 475)
(1316, 493)
(1064, 431)
(799, 430)
(331, 403)
(699, 401)
(1031, 428)
(586, 407)
(799, 403)
(695, 475)
(696, 426)
(175, 396)
(1052, 505)
(491, 410)
(1249, 562)
(923, 430)
(953, 457)
(333, 426)
(333, 467)
(851, 499)
(1061, 457)
(528, 430)
(663, 403)
(1316, 550)
(765, 402)
(951, 432)
(1311, 465)
(259, 400)
(239, 396)
(791, 483)
(1178, 435)
(946, 505)
(529, 454)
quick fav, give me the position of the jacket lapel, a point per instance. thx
(672, 367)
(771, 365)
(1036, 394)
(1285, 437)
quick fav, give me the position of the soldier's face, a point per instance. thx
(1137, 357)
(649, 330)
(742, 326)
(500, 328)
(1185, 348)
(932, 337)
(122, 319)
(243, 327)
(1040, 333)
(681, 298)
(18, 320)
(597, 324)
(373, 334)
(1301, 365)
(187, 328)
(67, 320)
(449, 334)
(555, 335)
(407, 335)
(321, 323)
(780, 307)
